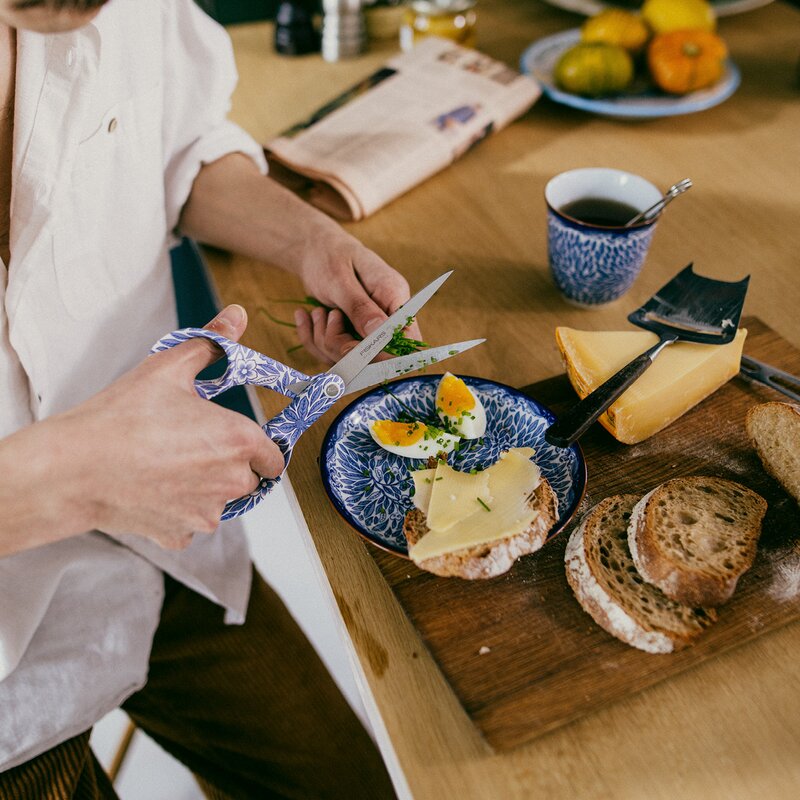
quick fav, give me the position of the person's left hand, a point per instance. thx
(358, 285)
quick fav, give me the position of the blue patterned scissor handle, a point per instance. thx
(246, 366)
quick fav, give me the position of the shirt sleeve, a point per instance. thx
(200, 76)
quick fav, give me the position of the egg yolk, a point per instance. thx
(454, 396)
(398, 433)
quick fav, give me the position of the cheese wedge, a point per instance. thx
(681, 376)
(468, 522)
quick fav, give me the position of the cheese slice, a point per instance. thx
(681, 376)
(510, 483)
(423, 485)
(452, 493)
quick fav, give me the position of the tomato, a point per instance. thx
(683, 61)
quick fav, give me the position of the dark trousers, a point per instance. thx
(250, 709)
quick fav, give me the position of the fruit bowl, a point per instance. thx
(641, 101)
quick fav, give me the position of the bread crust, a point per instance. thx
(777, 407)
(601, 607)
(688, 586)
(488, 560)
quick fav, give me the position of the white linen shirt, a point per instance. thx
(112, 123)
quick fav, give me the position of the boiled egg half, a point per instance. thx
(458, 406)
(411, 439)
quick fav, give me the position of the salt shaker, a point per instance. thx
(343, 29)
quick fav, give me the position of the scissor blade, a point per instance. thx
(358, 358)
(395, 367)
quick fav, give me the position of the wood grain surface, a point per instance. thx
(548, 663)
(728, 729)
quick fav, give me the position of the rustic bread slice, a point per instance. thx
(489, 560)
(774, 429)
(602, 575)
(693, 537)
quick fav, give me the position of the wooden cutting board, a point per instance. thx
(548, 663)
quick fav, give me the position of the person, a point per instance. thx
(118, 585)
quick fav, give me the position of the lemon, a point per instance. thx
(615, 26)
(594, 69)
(664, 16)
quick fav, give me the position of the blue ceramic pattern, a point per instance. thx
(246, 366)
(371, 488)
(592, 265)
(646, 102)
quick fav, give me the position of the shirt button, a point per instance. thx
(70, 56)
(112, 125)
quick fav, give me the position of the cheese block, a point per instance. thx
(467, 521)
(681, 376)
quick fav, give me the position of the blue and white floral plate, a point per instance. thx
(539, 61)
(371, 488)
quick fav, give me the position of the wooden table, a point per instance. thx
(728, 729)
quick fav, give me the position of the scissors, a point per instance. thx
(312, 395)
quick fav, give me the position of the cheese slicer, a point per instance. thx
(690, 308)
(775, 378)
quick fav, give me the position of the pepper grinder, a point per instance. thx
(295, 34)
(343, 29)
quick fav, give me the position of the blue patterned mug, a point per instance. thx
(594, 262)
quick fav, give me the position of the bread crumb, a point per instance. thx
(484, 650)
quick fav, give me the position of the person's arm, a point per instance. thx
(146, 455)
(233, 206)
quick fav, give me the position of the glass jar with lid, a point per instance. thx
(452, 19)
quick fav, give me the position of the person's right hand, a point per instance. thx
(158, 460)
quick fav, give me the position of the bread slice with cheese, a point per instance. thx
(605, 582)
(683, 374)
(774, 429)
(694, 537)
(477, 525)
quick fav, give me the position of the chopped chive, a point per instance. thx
(274, 319)
(399, 344)
(365, 473)
(483, 504)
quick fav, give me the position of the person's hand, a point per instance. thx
(157, 459)
(234, 207)
(358, 285)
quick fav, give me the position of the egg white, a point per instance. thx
(423, 448)
(469, 425)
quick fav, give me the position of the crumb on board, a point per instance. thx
(786, 574)
(484, 650)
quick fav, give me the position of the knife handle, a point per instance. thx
(771, 376)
